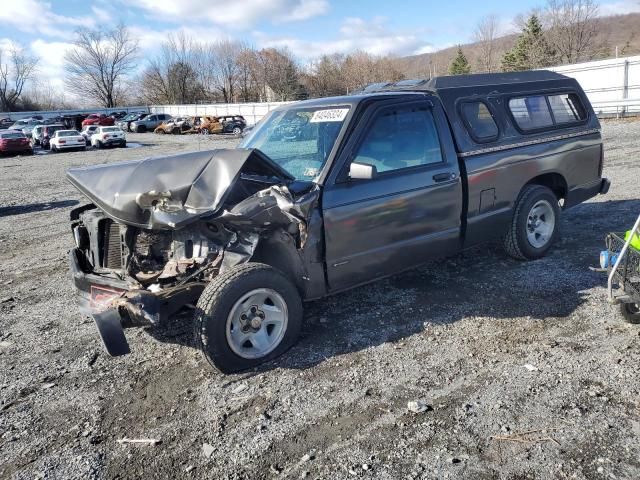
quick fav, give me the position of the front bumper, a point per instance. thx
(115, 304)
(109, 320)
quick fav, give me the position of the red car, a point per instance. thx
(14, 141)
(98, 119)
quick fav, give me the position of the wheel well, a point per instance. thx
(554, 182)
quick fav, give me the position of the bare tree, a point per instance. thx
(227, 54)
(16, 69)
(485, 34)
(277, 74)
(572, 29)
(99, 62)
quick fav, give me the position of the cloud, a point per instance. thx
(51, 66)
(374, 37)
(35, 16)
(619, 8)
(242, 14)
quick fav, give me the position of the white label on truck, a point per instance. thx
(331, 115)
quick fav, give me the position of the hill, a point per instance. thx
(622, 31)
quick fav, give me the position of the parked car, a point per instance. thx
(41, 134)
(5, 123)
(14, 141)
(87, 131)
(25, 126)
(67, 140)
(108, 137)
(395, 176)
(175, 126)
(149, 122)
(233, 124)
(118, 115)
(98, 119)
(125, 122)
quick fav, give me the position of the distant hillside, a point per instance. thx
(622, 31)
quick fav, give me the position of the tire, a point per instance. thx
(219, 309)
(99, 145)
(161, 131)
(535, 224)
(54, 149)
(237, 131)
(123, 145)
(204, 131)
(630, 312)
(141, 129)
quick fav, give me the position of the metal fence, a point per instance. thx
(613, 86)
(252, 112)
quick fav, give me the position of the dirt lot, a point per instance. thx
(456, 334)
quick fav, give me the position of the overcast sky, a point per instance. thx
(309, 28)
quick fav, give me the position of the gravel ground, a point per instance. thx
(486, 346)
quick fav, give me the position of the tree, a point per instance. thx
(172, 76)
(16, 69)
(572, 29)
(278, 73)
(460, 64)
(99, 62)
(531, 49)
(485, 35)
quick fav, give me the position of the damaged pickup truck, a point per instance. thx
(361, 187)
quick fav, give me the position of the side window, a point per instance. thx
(567, 108)
(479, 121)
(531, 113)
(401, 137)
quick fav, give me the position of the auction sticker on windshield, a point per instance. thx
(331, 115)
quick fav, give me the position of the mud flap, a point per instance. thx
(111, 332)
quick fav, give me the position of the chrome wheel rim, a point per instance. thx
(257, 323)
(541, 223)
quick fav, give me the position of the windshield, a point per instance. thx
(12, 135)
(298, 139)
(111, 129)
(68, 133)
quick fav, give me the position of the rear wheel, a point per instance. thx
(246, 316)
(535, 223)
(141, 129)
(630, 312)
(54, 149)
(204, 131)
(237, 130)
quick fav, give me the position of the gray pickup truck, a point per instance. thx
(359, 188)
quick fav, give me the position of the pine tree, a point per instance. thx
(460, 64)
(530, 51)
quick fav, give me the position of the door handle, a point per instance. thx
(443, 177)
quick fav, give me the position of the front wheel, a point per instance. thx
(630, 312)
(534, 225)
(246, 316)
(237, 131)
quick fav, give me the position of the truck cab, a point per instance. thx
(325, 195)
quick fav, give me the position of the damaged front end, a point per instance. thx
(158, 230)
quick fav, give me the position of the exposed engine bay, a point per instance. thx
(151, 255)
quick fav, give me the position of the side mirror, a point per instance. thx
(362, 171)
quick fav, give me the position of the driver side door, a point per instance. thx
(409, 212)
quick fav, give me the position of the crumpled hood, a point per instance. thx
(167, 192)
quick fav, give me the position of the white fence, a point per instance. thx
(613, 86)
(252, 112)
